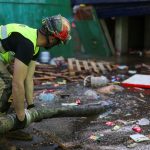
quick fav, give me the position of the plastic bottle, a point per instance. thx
(44, 57)
(99, 81)
(47, 97)
(95, 81)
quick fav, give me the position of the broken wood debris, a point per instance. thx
(85, 67)
(74, 71)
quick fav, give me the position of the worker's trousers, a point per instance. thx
(5, 87)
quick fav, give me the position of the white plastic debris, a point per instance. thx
(46, 97)
(95, 81)
(91, 94)
(143, 122)
(69, 104)
(139, 137)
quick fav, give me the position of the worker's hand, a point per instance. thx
(30, 106)
(19, 124)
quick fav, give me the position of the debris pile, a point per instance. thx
(74, 83)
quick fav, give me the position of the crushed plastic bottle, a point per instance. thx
(47, 97)
(95, 81)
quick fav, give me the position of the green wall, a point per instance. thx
(30, 12)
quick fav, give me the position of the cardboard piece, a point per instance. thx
(139, 137)
(137, 80)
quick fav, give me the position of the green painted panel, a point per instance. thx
(31, 12)
(54, 2)
(93, 38)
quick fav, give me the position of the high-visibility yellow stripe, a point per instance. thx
(26, 31)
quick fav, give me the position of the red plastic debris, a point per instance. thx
(78, 101)
(56, 85)
(137, 129)
(110, 123)
(49, 91)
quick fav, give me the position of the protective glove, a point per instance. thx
(30, 106)
(19, 124)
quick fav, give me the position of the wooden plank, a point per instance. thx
(78, 65)
(108, 67)
(93, 64)
(70, 66)
(85, 65)
(101, 67)
(106, 32)
(44, 78)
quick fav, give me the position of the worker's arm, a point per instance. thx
(18, 90)
(29, 83)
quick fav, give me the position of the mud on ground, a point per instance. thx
(131, 104)
(76, 131)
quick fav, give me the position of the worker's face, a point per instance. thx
(52, 41)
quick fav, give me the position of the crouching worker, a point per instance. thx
(20, 43)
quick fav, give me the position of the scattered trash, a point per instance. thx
(46, 83)
(59, 61)
(91, 94)
(110, 89)
(143, 122)
(132, 71)
(50, 91)
(139, 137)
(141, 100)
(116, 127)
(78, 102)
(46, 97)
(62, 82)
(95, 137)
(95, 81)
(137, 129)
(64, 95)
(105, 114)
(130, 122)
(141, 95)
(121, 122)
(106, 103)
(44, 57)
(135, 81)
(122, 67)
(128, 114)
(69, 104)
(56, 85)
(110, 123)
(132, 145)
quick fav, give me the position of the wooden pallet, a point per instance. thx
(76, 66)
